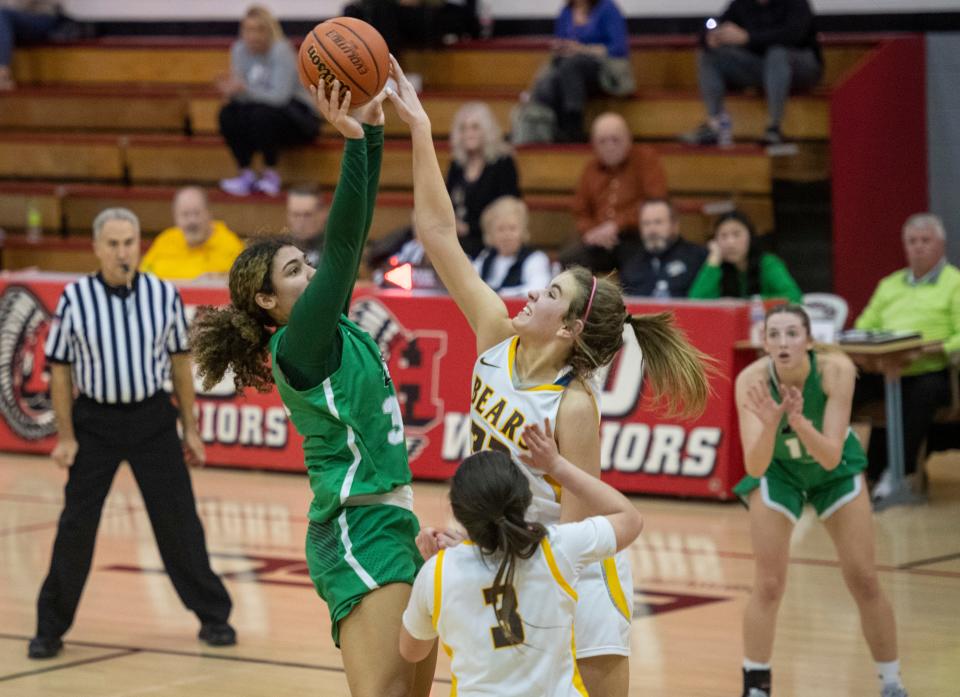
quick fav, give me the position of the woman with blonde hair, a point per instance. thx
(267, 109)
(507, 264)
(539, 365)
(481, 170)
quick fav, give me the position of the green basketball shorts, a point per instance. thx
(358, 551)
(786, 497)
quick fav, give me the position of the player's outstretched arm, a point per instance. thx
(598, 497)
(436, 224)
(310, 351)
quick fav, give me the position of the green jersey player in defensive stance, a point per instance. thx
(794, 409)
(361, 548)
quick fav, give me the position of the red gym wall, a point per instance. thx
(878, 143)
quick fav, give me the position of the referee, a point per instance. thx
(117, 337)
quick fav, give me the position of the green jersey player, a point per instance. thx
(794, 409)
(361, 549)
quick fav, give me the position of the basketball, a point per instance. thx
(349, 50)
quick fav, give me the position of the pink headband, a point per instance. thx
(593, 291)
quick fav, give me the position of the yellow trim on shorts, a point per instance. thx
(555, 485)
(577, 679)
(552, 563)
(612, 579)
(437, 588)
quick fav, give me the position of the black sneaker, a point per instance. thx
(756, 683)
(44, 647)
(773, 136)
(217, 634)
(701, 135)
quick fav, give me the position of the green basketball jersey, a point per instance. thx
(790, 459)
(352, 430)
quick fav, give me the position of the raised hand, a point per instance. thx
(544, 454)
(404, 98)
(371, 113)
(792, 401)
(336, 110)
(761, 402)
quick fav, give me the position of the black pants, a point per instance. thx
(249, 128)
(922, 396)
(565, 88)
(145, 435)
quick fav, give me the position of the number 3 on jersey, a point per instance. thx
(514, 621)
(392, 407)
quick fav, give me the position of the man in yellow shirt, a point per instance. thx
(924, 297)
(196, 246)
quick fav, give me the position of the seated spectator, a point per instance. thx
(23, 20)
(614, 183)
(737, 268)
(770, 44)
(416, 23)
(507, 264)
(267, 108)
(588, 34)
(659, 262)
(481, 171)
(196, 246)
(306, 219)
(924, 297)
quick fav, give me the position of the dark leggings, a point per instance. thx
(249, 128)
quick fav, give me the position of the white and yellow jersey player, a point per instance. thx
(574, 324)
(502, 602)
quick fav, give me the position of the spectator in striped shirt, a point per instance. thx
(117, 337)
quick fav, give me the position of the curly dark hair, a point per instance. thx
(678, 371)
(237, 336)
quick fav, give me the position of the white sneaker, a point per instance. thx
(893, 690)
(754, 692)
(884, 487)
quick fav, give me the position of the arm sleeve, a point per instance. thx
(952, 342)
(616, 29)
(310, 350)
(706, 286)
(776, 280)
(418, 617)
(177, 338)
(870, 317)
(507, 178)
(374, 137)
(791, 32)
(585, 542)
(283, 78)
(59, 347)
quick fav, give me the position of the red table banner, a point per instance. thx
(430, 351)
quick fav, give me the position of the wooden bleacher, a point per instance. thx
(122, 121)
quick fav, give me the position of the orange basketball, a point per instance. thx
(347, 49)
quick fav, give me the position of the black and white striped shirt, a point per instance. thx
(118, 342)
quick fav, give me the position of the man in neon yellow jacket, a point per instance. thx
(924, 297)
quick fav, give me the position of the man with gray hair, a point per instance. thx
(924, 297)
(116, 338)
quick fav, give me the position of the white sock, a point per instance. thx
(889, 672)
(753, 665)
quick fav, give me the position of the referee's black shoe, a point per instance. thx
(44, 647)
(217, 634)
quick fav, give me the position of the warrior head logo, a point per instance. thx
(413, 359)
(24, 397)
